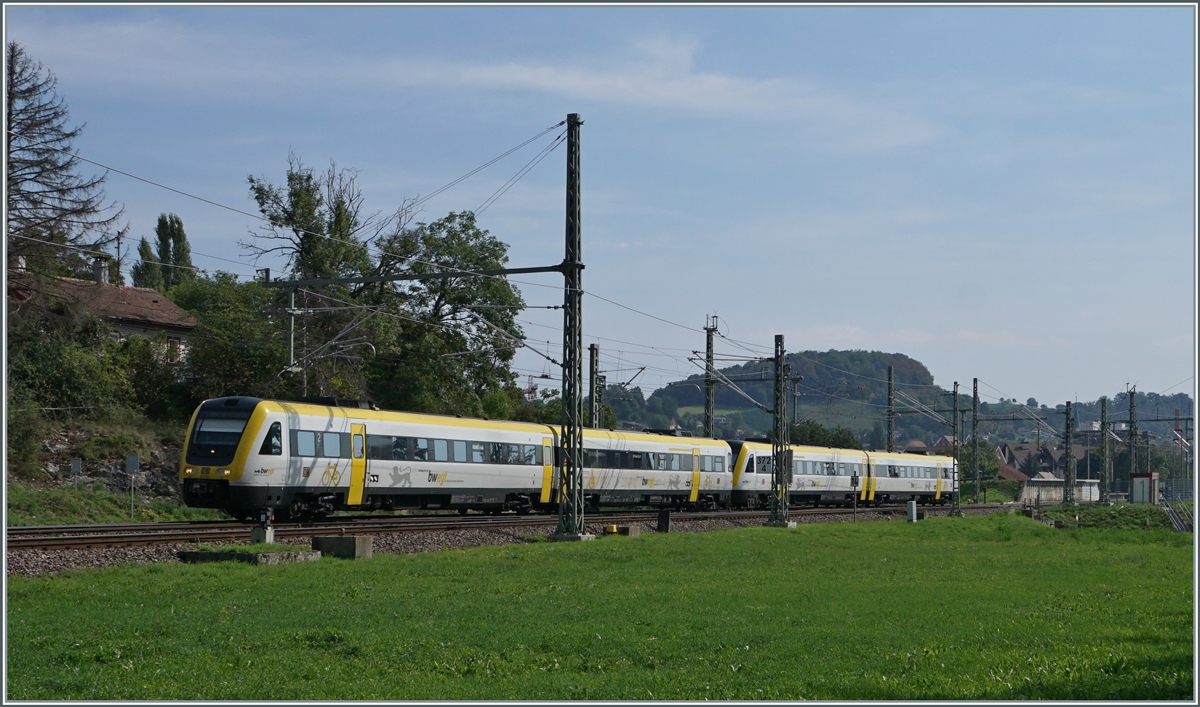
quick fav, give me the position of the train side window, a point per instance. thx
(635, 460)
(273, 443)
(441, 450)
(495, 453)
(841, 469)
(306, 444)
(707, 461)
(420, 449)
(331, 444)
(514, 453)
(460, 451)
(399, 448)
(357, 446)
(379, 447)
(719, 464)
(529, 455)
(624, 461)
(477, 452)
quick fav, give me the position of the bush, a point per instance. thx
(26, 430)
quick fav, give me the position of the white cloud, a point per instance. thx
(659, 74)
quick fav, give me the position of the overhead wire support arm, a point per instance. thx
(443, 275)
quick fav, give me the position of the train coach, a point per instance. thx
(825, 476)
(308, 459)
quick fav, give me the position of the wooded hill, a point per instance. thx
(849, 389)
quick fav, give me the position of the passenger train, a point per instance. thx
(308, 459)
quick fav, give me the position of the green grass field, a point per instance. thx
(28, 505)
(1125, 516)
(997, 607)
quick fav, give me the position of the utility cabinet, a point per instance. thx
(1143, 488)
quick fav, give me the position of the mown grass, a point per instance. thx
(31, 505)
(997, 607)
(1127, 516)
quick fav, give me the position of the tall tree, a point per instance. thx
(434, 346)
(147, 272)
(173, 250)
(316, 222)
(48, 200)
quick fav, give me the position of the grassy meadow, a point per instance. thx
(30, 505)
(997, 607)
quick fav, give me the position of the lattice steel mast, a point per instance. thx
(780, 449)
(570, 503)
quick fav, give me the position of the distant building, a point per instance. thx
(128, 311)
(944, 441)
(1046, 459)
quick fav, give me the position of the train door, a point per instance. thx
(695, 476)
(864, 484)
(547, 468)
(358, 464)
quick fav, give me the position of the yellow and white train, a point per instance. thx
(826, 476)
(304, 460)
(307, 460)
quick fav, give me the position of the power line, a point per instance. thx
(271, 222)
(138, 260)
(521, 173)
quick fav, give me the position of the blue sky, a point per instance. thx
(1005, 193)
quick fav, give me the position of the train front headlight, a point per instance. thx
(187, 471)
(225, 472)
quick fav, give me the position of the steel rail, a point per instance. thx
(210, 532)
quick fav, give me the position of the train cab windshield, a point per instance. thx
(218, 430)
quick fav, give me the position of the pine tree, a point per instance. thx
(47, 199)
(147, 272)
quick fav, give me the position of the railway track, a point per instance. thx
(79, 537)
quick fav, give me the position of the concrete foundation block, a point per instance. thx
(780, 524)
(347, 547)
(570, 538)
(259, 534)
(631, 530)
(261, 558)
